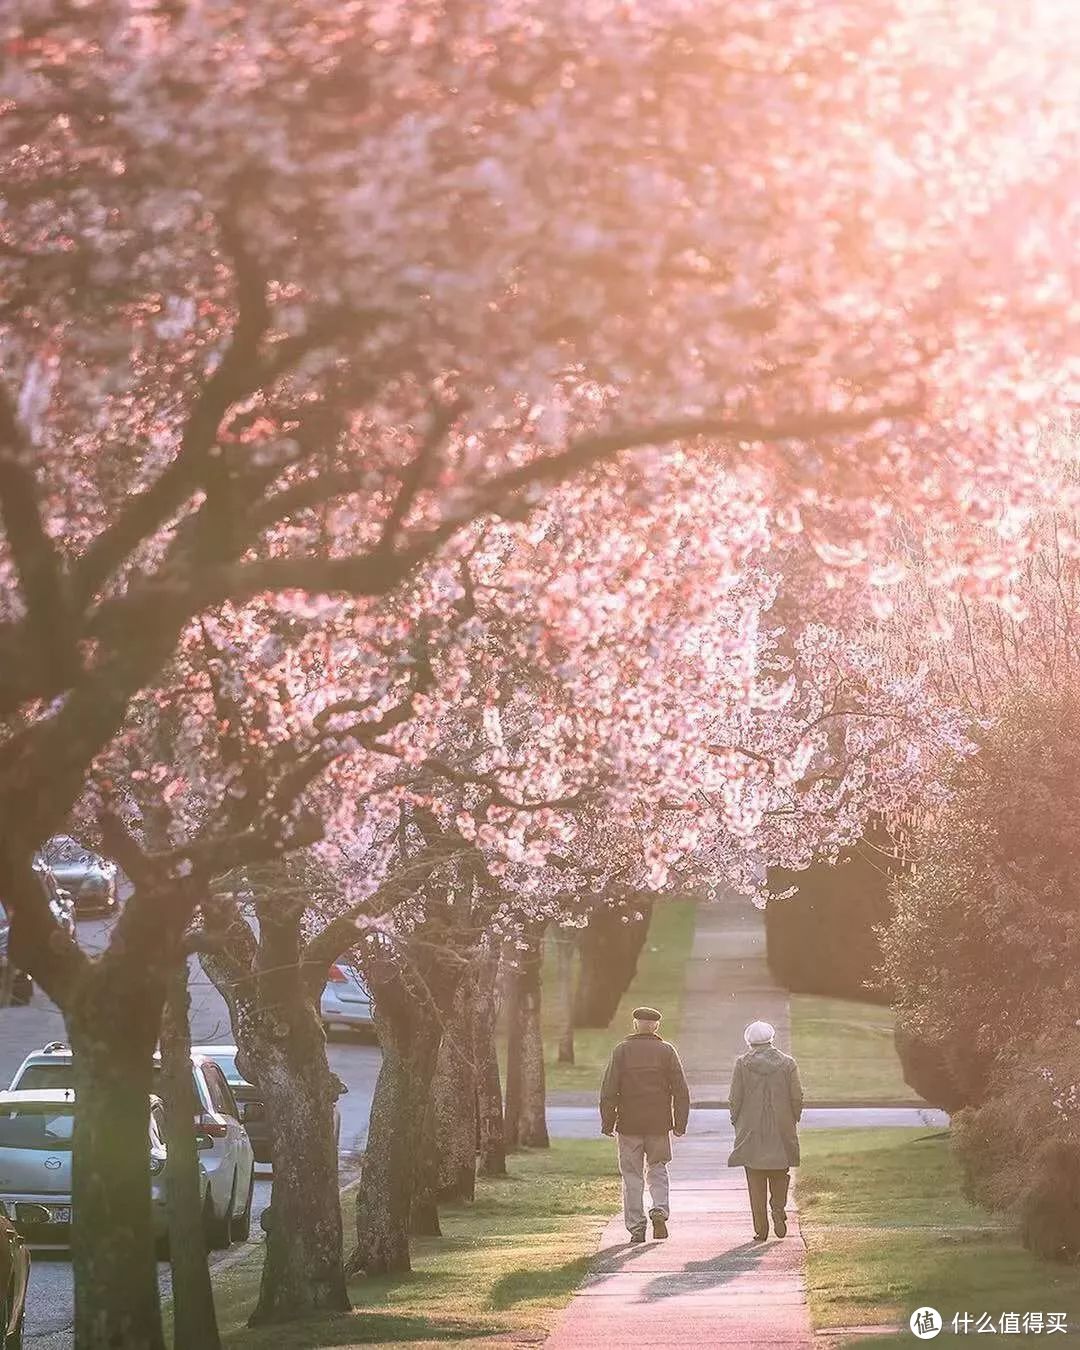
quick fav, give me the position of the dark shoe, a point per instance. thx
(779, 1224)
(761, 1237)
(637, 1234)
(659, 1224)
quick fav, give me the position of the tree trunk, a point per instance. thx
(526, 1119)
(453, 1099)
(283, 1051)
(7, 983)
(424, 1212)
(610, 947)
(194, 1318)
(113, 1027)
(564, 957)
(514, 1042)
(409, 1032)
(491, 1144)
(304, 1267)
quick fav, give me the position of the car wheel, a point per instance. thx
(217, 1230)
(241, 1225)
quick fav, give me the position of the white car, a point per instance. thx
(225, 1151)
(346, 1001)
(249, 1099)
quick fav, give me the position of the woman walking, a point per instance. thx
(766, 1103)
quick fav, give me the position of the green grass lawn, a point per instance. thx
(504, 1268)
(888, 1231)
(845, 1051)
(659, 981)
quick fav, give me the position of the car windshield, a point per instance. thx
(64, 850)
(62, 1075)
(37, 1127)
(58, 1075)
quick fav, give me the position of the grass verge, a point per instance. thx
(659, 982)
(504, 1268)
(887, 1231)
(845, 1051)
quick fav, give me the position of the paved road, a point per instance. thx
(49, 1304)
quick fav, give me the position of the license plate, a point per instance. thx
(42, 1214)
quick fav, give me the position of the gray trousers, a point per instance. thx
(643, 1157)
(767, 1187)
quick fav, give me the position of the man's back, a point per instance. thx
(644, 1094)
(644, 1090)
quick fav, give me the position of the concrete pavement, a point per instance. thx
(709, 1284)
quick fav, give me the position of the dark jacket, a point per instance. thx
(766, 1103)
(644, 1089)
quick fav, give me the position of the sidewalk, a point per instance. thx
(708, 1285)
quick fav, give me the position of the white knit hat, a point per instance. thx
(759, 1033)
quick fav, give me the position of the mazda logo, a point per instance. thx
(53, 1163)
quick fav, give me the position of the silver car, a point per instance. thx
(36, 1129)
(346, 1001)
(89, 879)
(249, 1099)
(224, 1147)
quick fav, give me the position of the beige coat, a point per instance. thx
(766, 1103)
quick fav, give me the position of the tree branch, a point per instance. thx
(32, 550)
(347, 929)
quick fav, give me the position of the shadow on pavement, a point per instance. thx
(722, 1268)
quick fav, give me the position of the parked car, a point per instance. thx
(224, 1147)
(346, 1001)
(36, 1127)
(90, 879)
(14, 1278)
(249, 1099)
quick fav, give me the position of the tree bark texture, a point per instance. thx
(565, 947)
(273, 1001)
(610, 947)
(194, 1318)
(304, 1267)
(409, 1033)
(453, 1098)
(491, 1144)
(424, 1211)
(526, 1116)
(413, 994)
(113, 1028)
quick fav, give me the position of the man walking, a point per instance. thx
(766, 1104)
(643, 1098)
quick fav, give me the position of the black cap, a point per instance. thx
(646, 1015)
